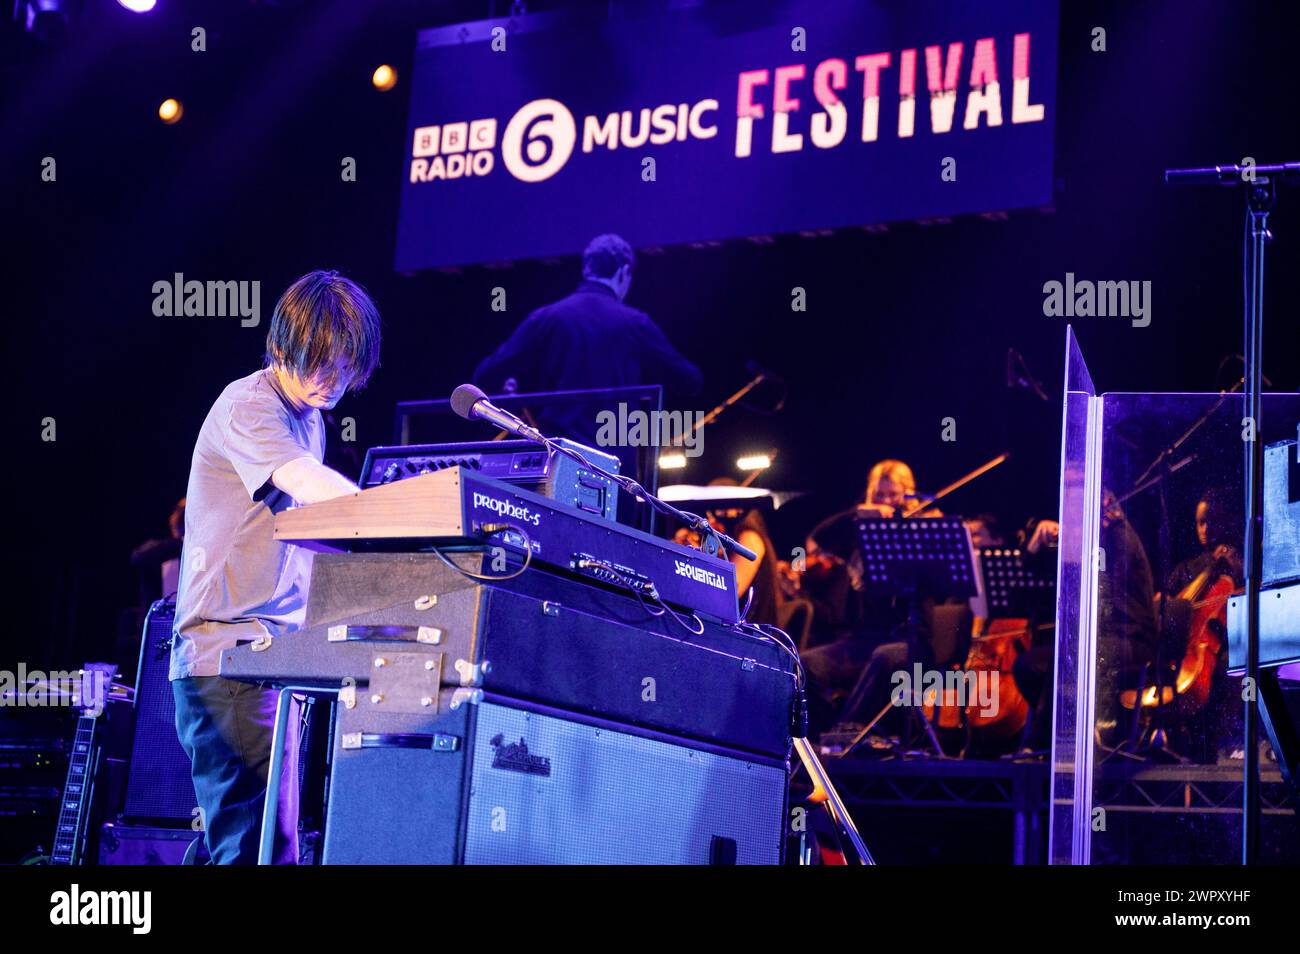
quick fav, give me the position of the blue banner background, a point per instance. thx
(702, 190)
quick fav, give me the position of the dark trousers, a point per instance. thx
(863, 668)
(225, 727)
(1033, 672)
(874, 688)
(832, 669)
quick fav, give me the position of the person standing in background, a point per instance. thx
(589, 339)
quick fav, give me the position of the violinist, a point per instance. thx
(870, 643)
(985, 531)
(749, 529)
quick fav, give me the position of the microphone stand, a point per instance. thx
(713, 415)
(1158, 744)
(1260, 182)
(712, 541)
(1162, 459)
(1259, 203)
(759, 377)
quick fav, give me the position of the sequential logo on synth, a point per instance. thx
(700, 575)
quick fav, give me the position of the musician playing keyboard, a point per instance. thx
(259, 451)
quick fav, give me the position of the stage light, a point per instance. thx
(754, 462)
(384, 78)
(672, 460)
(170, 111)
(138, 6)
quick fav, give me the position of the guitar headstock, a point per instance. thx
(94, 688)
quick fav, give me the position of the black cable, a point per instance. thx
(749, 601)
(628, 485)
(655, 611)
(782, 639)
(639, 588)
(490, 529)
(681, 620)
(799, 709)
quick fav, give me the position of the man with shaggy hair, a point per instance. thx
(259, 451)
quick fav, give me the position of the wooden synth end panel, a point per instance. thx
(424, 506)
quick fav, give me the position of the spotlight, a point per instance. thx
(754, 462)
(384, 78)
(170, 111)
(138, 6)
(672, 460)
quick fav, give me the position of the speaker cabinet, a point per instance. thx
(158, 786)
(504, 782)
(546, 790)
(137, 845)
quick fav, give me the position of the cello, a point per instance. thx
(992, 651)
(1208, 594)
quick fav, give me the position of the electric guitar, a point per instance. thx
(92, 696)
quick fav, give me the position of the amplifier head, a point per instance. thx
(519, 462)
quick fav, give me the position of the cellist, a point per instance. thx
(1196, 615)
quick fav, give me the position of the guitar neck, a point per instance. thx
(74, 810)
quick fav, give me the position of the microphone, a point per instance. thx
(470, 403)
(1231, 174)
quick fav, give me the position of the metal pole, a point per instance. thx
(821, 780)
(275, 771)
(1259, 201)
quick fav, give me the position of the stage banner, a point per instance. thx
(528, 136)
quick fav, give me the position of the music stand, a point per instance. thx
(914, 559)
(917, 558)
(1013, 588)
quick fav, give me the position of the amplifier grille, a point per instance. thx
(586, 795)
(158, 785)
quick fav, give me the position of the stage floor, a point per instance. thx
(939, 809)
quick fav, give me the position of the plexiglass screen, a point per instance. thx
(1151, 541)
